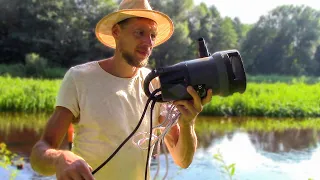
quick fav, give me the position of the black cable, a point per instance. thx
(149, 143)
(151, 97)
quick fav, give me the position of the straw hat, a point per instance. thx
(129, 9)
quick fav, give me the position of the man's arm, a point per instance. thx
(44, 153)
(181, 141)
(47, 159)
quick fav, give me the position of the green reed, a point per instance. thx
(27, 95)
(295, 99)
(269, 100)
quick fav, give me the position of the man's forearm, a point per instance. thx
(183, 150)
(43, 158)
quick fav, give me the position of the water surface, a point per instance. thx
(264, 149)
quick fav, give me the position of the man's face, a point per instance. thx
(136, 41)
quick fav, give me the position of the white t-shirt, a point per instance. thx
(109, 108)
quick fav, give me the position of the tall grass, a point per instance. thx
(296, 99)
(27, 95)
(271, 100)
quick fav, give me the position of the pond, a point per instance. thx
(259, 148)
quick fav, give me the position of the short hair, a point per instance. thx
(123, 23)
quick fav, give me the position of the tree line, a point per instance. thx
(45, 34)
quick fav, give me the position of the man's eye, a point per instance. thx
(139, 33)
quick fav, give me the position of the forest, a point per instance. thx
(43, 38)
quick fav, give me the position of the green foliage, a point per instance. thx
(201, 21)
(270, 100)
(317, 60)
(31, 70)
(35, 65)
(53, 73)
(284, 42)
(6, 159)
(27, 95)
(227, 37)
(13, 70)
(228, 170)
(60, 31)
(61, 34)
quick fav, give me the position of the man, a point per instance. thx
(105, 99)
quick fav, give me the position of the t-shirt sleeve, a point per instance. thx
(68, 95)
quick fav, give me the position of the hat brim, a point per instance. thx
(104, 26)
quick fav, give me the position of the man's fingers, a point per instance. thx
(194, 94)
(186, 107)
(208, 98)
(86, 173)
(196, 98)
(181, 109)
(74, 175)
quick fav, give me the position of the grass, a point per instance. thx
(27, 95)
(269, 100)
(295, 99)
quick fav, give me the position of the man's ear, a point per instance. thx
(116, 31)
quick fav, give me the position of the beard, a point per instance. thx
(133, 61)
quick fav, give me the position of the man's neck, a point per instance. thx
(117, 66)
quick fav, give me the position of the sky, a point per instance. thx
(249, 11)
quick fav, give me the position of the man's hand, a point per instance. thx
(72, 167)
(190, 109)
(182, 139)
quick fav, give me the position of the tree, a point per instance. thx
(226, 36)
(201, 21)
(283, 42)
(61, 31)
(178, 47)
(241, 29)
(317, 60)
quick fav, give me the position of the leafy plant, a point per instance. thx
(228, 170)
(6, 160)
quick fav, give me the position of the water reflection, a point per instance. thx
(261, 149)
(18, 122)
(285, 141)
(20, 132)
